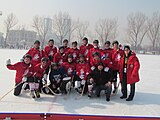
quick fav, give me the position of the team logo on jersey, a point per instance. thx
(103, 57)
(118, 57)
(36, 57)
(131, 65)
(81, 74)
(57, 77)
(74, 55)
(60, 61)
(26, 72)
(69, 70)
(51, 53)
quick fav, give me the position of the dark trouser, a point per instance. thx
(18, 89)
(99, 88)
(124, 87)
(39, 80)
(114, 75)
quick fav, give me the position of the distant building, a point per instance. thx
(22, 37)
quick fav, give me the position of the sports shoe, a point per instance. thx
(122, 97)
(107, 99)
(37, 93)
(129, 99)
(32, 94)
(114, 91)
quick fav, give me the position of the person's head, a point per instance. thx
(54, 66)
(70, 58)
(107, 44)
(37, 44)
(27, 59)
(44, 61)
(100, 66)
(61, 49)
(85, 41)
(95, 43)
(74, 44)
(127, 50)
(81, 58)
(51, 42)
(65, 42)
(96, 55)
(115, 45)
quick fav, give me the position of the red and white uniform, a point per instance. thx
(75, 53)
(84, 50)
(82, 70)
(50, 50)
(22, 70)
(36, 55)
(40, 70)
(116, 56)
(59, 58)
(66, 49)
(69, 68)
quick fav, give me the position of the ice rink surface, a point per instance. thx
(145, 103)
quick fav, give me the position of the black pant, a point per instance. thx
(124, 87)
(18, 89)
(99, 88)
(114, 75)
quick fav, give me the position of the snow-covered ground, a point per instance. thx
(145, 103)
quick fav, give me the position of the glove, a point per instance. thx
(24, 79)
(8, 62)
(106, 69)
(92, 68)
(83, 82)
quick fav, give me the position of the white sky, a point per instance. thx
(85, 10)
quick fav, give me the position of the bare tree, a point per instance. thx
(154, 29)
(106, 29)
(9, 23)
(41, 28)
(137, 28)
(63, 26)
(82, 28)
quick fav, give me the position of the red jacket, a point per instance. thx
(39, 70)
(50, 51)
(37, 55)
(133, 66)
(66, 49)
(75, 53)
(59, 58)
(116, 56)
(69, 68)
(108, 53)
(82, 70)
(22, 70)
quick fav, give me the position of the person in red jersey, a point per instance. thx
(69, 73)
(60, 56)
(50, 50)
(108, 50)
(36, 53)
(24, 72)
(65, 45)
(128, 72)
(85, 47)
(116, 56)
(94, 49)
(74, 51)
(40, 73)
(82, 71)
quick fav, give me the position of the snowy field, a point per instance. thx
(145, 103)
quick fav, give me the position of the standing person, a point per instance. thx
(116, 56)
(36, 53)
(85, 47)
(24, 72)
(60, 56)
(65, 45)
(99, 80)
(74, 51)
(129, 67)
(40, 73)
(82, 71)
(50, 50)
(108, 50)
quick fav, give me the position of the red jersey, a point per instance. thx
(82, 70)
(22, 70)
(39, 70)
(59, 58)
(69, 68)
(36, 55)
(66, 49)
(116, 56)
(75, 53)
(50, 50)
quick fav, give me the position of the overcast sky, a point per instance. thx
(86, 10)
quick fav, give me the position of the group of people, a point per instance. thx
(87, 69)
